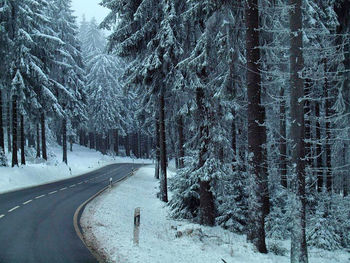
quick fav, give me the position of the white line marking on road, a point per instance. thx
(62, 189)
(40, 196)
(13, 209)
(27, 202)
(80, 183)
(53, 192)
(1, 216)
(72, 185)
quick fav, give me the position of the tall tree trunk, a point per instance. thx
(233, 135)
(307, 114)
(14, 131)
(116, 142)
(37, 140)
(319, 162)
(328, 132)
(97, 142)
(180, 129)
(139, 148)
(163, 154)
(265, 183)
(9, 125)
(2, 141)
(134, 144)
(298, 243)
(127, 145)
(31, 139)
(71, 143)
(91, 140)
(206, 198)
(23, 140)
(64, 140)
(81, 137)
(43, 136)
(156, 175)
(106, 143)
(283, 139)
(256, 137)
(344, 187)
(147, 146)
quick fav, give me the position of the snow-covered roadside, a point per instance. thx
(80, 161)
(108, 221)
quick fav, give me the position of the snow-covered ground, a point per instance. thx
(108, 223)
(36, 172)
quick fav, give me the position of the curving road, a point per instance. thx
(36, 224)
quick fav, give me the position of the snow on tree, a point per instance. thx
(107, 110)
(67, 78)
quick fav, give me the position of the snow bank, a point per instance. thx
(80, 161)
(108, 222)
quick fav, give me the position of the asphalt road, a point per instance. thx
(36, 224)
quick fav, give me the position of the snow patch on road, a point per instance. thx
(108, 223)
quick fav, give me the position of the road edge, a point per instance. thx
(77, 215)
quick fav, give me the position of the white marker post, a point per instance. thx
(110, 182)
(137, 225)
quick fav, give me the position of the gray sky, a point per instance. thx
(90, 8)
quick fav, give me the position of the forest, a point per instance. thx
(251, 98)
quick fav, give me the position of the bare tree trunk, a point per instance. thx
(147, 146)
(319, 162)
(265, 183)
(180, 128)
(307, 114)
(91, 140)
(106, 142)
(14, 131)
(116, 142)
(163, 154)
(31, 139)
(328, 133)
(64, 140)
(134, 144)
(283, 139)
(23, 139)
(2, 141)
(71, 143)
(298, 243)
(127, 145)
(343, 188)
(256, 135)
(156, 175)
(97, 142)
(233, 135)
(8, 126)
(139, 140)
(37, 140)
(43, 136)
(345, 179)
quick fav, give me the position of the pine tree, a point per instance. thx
(68, 77)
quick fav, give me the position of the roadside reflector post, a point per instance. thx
(110, 182)
(136, 225)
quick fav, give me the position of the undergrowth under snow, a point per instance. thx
(108, 223)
